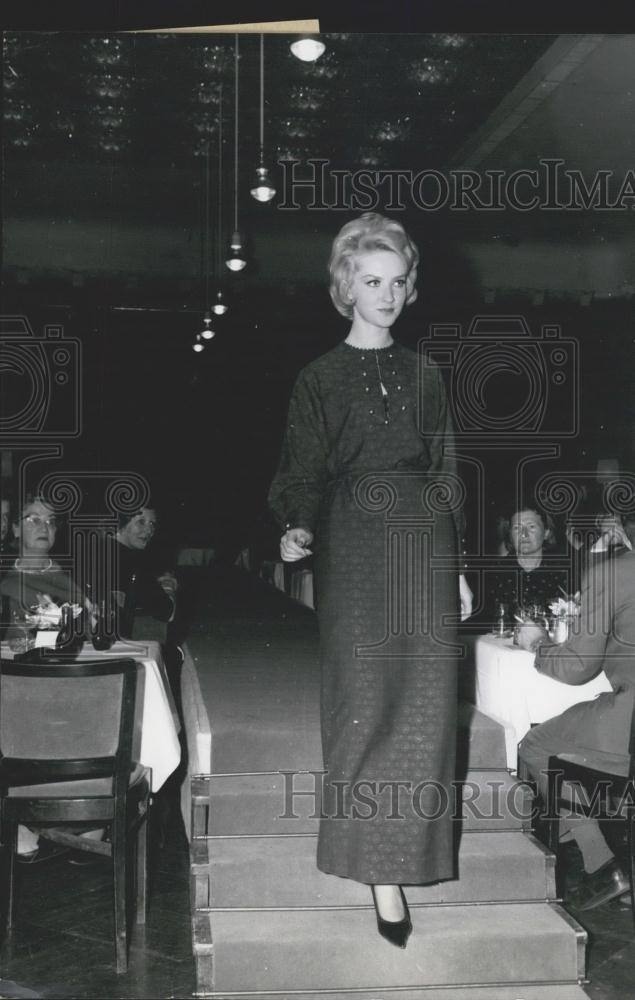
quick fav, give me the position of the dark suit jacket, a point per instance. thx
(604, 639)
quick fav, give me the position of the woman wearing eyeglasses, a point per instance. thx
(35, 582)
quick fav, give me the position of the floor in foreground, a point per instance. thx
(63, 944)
(611, 951)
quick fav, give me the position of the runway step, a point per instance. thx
(280, 872)
(517, 992)
(267, 923)
(480, 741)
(314, 950)
(289, 803)
(279, 726)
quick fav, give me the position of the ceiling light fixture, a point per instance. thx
(263, 190)
(236, 259)
(206, 333)
(308, 48)
(220, 306)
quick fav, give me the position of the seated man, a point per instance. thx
(598, 731)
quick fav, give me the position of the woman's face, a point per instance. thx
(527, 532)
(139, 530)
(378, 287)
(36, 529)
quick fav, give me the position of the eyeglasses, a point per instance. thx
(39, 522)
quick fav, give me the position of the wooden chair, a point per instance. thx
(602, 787)
(66, 734)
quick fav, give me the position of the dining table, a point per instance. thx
(510, 690)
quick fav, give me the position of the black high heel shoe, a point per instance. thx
(395, 931)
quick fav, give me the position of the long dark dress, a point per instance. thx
(374, 486)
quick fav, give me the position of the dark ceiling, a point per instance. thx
(104, 175)
(114, 130)
(374, 100)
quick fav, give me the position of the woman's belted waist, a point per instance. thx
(399, 492)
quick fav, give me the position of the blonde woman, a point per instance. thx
(368, 436)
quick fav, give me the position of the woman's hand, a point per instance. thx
(168, 582)
(294, 544)
(466, 597)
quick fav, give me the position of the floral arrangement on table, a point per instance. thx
(564, 610)
(46, 614)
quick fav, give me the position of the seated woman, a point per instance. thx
(35, 585)
(32, 590)
(139, 588)
(526, 577)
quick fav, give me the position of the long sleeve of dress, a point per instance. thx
(298, 486)
(441, 443)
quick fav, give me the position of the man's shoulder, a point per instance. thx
(624, 564)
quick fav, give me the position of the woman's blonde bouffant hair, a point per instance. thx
(370, 232)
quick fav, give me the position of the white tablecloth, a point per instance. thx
(510, 690)
(156, 742)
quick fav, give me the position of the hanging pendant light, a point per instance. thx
(308, 48)
(219, 306)
(236, 259)
(207, 333)
(263, 189)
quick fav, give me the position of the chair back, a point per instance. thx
(63, 721)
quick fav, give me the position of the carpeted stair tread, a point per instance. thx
(481, 740)
(258, 804)
(561, 991)
(281, 871)
(340, 948)
(260, 678)
(263, 707)
(280, 729)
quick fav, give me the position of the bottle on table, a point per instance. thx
(102, 633)
(501, 619)
(70, 637)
